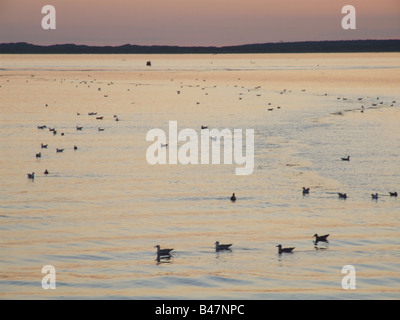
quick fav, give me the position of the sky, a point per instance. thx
(196, 22)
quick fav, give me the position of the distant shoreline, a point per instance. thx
(280, 47)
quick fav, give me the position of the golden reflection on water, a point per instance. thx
(98, 214)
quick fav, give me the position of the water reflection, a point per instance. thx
(164, 259)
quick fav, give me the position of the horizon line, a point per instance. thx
(194, 46)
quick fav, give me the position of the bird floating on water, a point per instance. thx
(38, 155)
(346, 159)
(321, 238)
(31, 175)
(43, 146)
(163, 252)
(375, 196)
(306, 191)
(59, 150)
(233, 198)
(204, 127)
(46, 172)
(284, 250)
(342, 195)
(393, 194)
(221, 247)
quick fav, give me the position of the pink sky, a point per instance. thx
(196, 22)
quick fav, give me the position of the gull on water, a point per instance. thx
(321, 238)
(220, 247)
(163, 252)
(284, 250)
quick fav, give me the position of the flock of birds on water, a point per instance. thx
(166, 253)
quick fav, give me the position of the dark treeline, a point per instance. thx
(281, 47)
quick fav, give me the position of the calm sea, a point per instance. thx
(102, 208)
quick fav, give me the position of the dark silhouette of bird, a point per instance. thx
(306, 191)
(31, 175)
(59, 150)
(43, 146)
(38, 155)
(75, 148)
(321, 238)
(233, 198)
(375, 196)
(284, 250)
(393, 194)
(346, 159)
(163, 252)
(46, 172)
(342, 195)
(220, 247)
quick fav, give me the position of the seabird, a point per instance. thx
(99, 118)
(163, 252)
(321, 238)
(78, 128)
(393, 194)
(375, 196)
(31, 175)
(220, 247)
(164, 145)
(101, 129)
(38, 155)
(59, 150)
(46, 172)
(233, 198)
(43, 146)
(306, 191)
(284, 250)
(204, 127)
(342, 195)
(75, 148)
(346, 159)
